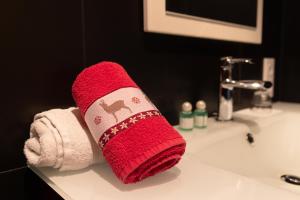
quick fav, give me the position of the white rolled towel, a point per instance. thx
(60, 139)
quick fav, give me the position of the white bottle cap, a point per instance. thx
(200, 105)
(186, 106)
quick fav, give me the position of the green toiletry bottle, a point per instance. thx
(186, 119)
(200, 115)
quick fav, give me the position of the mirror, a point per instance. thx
(230, 20)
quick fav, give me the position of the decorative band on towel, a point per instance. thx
(117, 111)
(113, 131)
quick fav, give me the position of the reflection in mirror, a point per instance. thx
(230, 20)
(233, 12)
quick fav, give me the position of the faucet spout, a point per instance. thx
(227, 85)
(247, 84)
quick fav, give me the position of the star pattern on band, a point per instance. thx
(114, 130)
(133, 120)
(142, 116)
(125, 124)
(106, 137)
(149, 114)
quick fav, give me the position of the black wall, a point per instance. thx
(44, 44)
(289, 70)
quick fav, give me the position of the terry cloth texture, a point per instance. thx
(144, 149)
(60, 139)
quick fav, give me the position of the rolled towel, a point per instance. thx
(136, 140)
(60, 139)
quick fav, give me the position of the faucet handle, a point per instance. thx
(229, 60)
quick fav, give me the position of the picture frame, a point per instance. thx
(158, 20)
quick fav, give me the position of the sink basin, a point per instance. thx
(275, 151)
(219, 163)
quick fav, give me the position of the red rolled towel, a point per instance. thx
(136, 140)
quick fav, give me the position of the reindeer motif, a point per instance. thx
(114, 107)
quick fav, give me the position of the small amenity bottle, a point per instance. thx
(200, 115)
(186, 120)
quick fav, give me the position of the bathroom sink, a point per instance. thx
(219, 163)
(263, 145)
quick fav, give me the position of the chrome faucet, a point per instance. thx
(227, 85)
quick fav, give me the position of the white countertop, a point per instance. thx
(190, 179)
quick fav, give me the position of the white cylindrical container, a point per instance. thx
(186, 121)
(200, 115)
